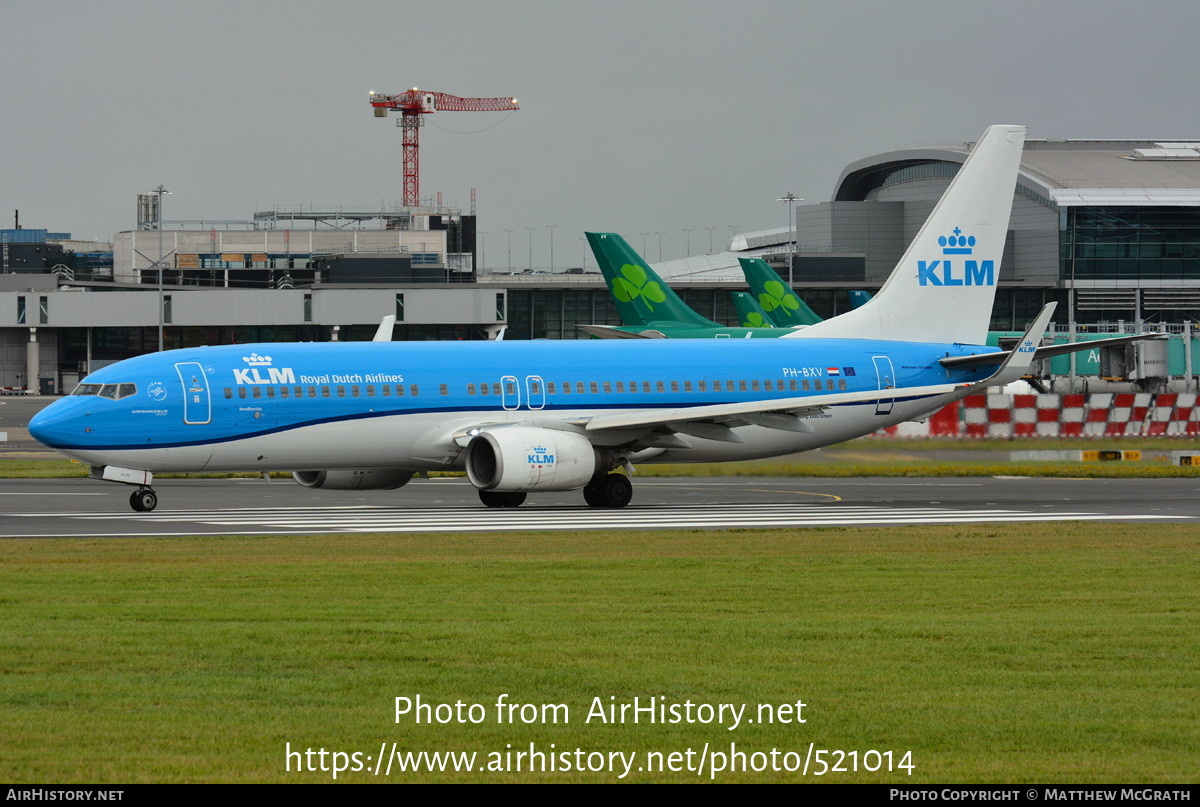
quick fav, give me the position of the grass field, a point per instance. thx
(1048, 653)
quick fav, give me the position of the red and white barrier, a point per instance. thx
(1002, 416)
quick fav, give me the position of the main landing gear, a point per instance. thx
(610, 490)
(143, 500)
(492, 498)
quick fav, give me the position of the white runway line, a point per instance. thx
(369, 518)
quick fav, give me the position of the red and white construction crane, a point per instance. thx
(412, 105)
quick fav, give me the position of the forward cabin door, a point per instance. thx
(197, 404)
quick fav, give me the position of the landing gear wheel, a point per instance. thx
(614, 490)
(493, 499)
(143, 500)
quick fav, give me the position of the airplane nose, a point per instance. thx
(55, 425)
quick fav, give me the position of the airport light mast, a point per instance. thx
(412, 105)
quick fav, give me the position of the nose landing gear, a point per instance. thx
(143, 500)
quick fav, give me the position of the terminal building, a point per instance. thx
(1108, 229)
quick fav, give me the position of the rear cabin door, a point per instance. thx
(886, 376)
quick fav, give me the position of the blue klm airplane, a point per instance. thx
(524, 417)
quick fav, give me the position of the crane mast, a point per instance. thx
(414, 103)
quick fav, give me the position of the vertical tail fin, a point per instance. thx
(783, 306)
(750, 313)
(943, 289)
(642, 296)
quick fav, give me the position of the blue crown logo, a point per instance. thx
(957, 244)
(539, 449)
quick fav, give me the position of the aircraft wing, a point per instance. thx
(611, 332)
(779, 413)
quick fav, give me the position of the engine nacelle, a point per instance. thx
(386, 479)
(525, 458)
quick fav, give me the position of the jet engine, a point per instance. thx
(386, 479)
(525, 458)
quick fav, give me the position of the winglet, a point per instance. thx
(384, 332)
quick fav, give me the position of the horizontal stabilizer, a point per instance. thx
(1050, 351)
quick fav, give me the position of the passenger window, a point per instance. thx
(805, 385)
(608, 386)
(312, 392)
(270, 392)
(645, 386)
(256, 392)
(386, 390)
(241, 392)
(792, 385)
(442, 388)
(535, 388)
(354, 391)
(841, 383)
(674, 386)
(495, 387)
(579, 387)
(341, 391)
(284, 392)
(633, 386)
(298, 392)
(550, 388)
(704, 386)
(620, 386)
(399, 390)
(470, 389)
(658, 385)
(754, 385)
(413, 390)
(593, 387)
(729, 384)
(228, 392)
(325, 391)
(566, 388)
(742, 384)
(687, 386)
(370, 390)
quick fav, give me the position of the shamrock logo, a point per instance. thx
(755, 320)
(634, 284)
(775, 295)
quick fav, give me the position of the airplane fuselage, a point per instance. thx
(407, 405)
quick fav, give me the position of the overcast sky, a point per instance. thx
(636, 117)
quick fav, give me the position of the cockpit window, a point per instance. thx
(112, 391)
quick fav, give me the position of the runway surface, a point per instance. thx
(62, 508)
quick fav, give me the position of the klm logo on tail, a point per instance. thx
(944, 272)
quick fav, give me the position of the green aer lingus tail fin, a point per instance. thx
(750, 313)
(642, 297)
(783, 306)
